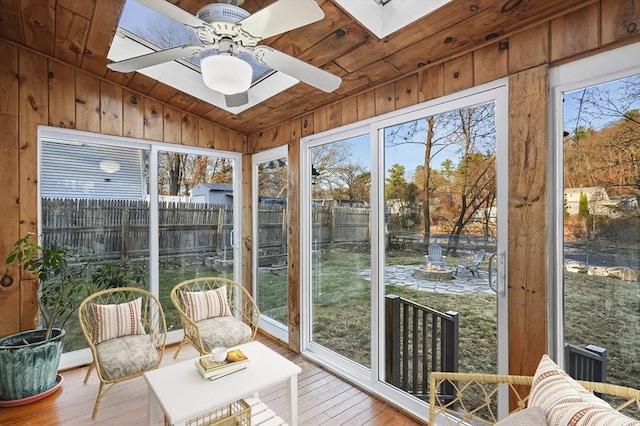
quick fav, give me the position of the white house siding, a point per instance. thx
(91, 171)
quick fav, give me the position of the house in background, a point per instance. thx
(212, 193)
(597, 198)
(107, 173)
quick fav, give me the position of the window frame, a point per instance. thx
(596, 69)
(83, 356)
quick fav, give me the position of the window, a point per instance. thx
(140, 213)
(270, 242)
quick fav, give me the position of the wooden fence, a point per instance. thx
(119, 229)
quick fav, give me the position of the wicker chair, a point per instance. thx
(238, 325)
(473, 397)
(126, 331)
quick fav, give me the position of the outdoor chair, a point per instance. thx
(435, 256)
(214, 312)
(126, 331)
(473, 268)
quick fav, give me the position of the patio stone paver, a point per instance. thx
(402, 275)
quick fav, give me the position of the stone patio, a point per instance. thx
(403, 275)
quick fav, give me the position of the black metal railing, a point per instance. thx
(419, 340)
(588, 364)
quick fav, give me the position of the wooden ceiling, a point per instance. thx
(79, 32)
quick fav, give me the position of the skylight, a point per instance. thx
(385, 17)
(141, 31)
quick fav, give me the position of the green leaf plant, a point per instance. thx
(62, 286)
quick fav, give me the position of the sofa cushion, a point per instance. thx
(531, 416)
(117, 320)
(206, 304)
(566, 402)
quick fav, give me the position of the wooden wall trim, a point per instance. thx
(528, 220)
(36, 89)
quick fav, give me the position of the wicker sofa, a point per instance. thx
(549, 397)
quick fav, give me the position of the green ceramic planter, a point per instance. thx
(29, 369)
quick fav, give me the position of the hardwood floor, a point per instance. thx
(323, 399)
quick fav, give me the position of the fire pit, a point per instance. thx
(433, 273)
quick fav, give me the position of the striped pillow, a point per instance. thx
(566, 402)
(117, 320)
(206, 304)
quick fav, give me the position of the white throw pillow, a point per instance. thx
(566, 402)
(206, 304)
(117, 320)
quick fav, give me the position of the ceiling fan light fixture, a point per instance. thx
(226, 73)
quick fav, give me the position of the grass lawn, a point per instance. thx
(599, 310)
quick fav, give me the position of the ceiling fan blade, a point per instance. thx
(282, 16)
(298, 69)
(173, 12)
(155, 58)
(237, 99)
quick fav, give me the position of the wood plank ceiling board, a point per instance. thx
(101, 31)
(38, 20)
(141, 83)
(181, 100)
(11, 21)
(299, 40)
(83, 8)
(79, 33)
(70, 35)
(465, 35)
(334, 45)
(439, 20)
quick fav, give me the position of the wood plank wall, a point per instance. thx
(525, 57)
(38, 90)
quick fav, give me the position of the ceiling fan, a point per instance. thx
(228, 29)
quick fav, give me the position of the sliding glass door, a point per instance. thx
(339, 182)
(375, 197)
(195, 220)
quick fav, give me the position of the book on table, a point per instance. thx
(210, 369)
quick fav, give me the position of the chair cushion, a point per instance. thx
(117, 320)
(206, 304)
(566, 402)
(127, 355)
(223, 331)
(531, 416)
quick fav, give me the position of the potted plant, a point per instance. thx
(29, 360)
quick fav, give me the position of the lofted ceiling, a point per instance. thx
(79, 32)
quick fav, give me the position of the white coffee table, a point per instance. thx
(182, 393)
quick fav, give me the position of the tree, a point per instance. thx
(434, 134)
(583, 206)
(395, 183)
(355, 182)
(603, 149)
(339, 175)
(474, 181)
